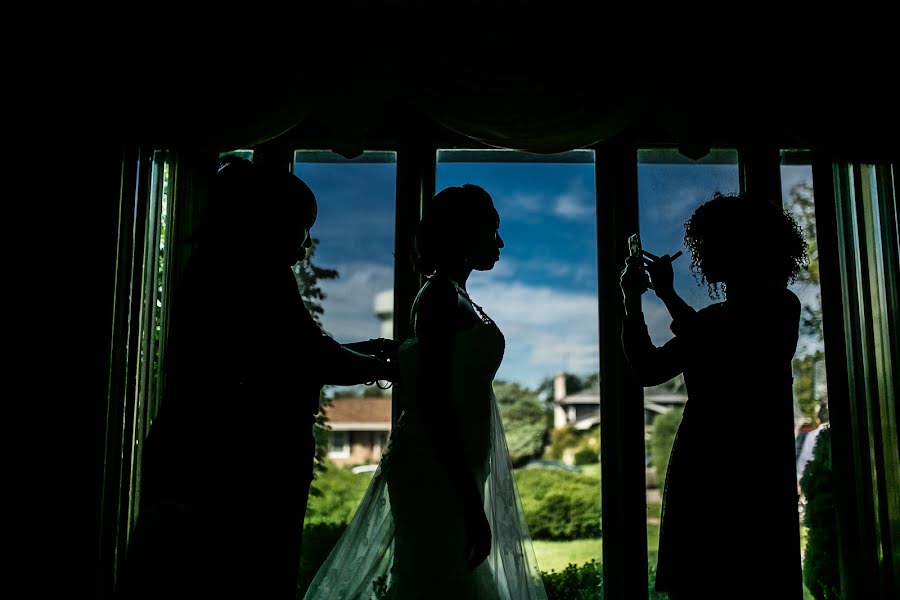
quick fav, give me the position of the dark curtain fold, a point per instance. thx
(243, 76)
(542, 110)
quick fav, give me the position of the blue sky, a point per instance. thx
(543, 292)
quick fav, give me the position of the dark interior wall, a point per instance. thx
(60, 212)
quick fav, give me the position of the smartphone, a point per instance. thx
(634, 245)
(635, 249)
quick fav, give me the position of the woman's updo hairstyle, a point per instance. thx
(448, 222)
(253, 207)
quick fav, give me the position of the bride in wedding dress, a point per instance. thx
(441, 517)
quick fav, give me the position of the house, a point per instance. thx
(582, 409)
(358, 429)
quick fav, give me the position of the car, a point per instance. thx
(364, 469)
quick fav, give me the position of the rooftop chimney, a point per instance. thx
(559, 386)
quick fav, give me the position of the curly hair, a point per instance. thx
(743, 234)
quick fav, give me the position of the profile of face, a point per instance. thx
(484, 242)
(303, 241)
(294, 215)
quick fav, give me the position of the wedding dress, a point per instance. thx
(406, 540)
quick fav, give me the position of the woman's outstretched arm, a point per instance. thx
(651, 365)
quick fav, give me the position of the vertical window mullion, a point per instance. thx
(760, 171)
(621, 398)
(416, 164)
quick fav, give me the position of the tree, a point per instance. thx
(801, 204)
(525, 420)
(574, 384)
(308, 276)
(821, 571)
(662, 438)
(368, 391)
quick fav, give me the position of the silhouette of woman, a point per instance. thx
(441, 518)
(229, 459)
(729, 524)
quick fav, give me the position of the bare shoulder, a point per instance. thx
(437, 306)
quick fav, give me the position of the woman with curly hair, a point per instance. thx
(729, 524)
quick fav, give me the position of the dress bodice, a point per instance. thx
(474, 359)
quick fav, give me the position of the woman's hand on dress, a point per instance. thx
(478, 536)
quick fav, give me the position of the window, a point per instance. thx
(543, 296)
(670, 187)
(338, 444)
(810, 386)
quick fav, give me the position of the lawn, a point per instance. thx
(555, 556)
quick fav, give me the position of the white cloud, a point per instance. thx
(657, 318)
(581, 272)
(525, 201)
(349, 306)
(506, 267)
(575, 203)
(677, 208)
(794, 175)
(547, 330)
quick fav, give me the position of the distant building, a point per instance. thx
(582, 409)
(359, 429)
(384, 310)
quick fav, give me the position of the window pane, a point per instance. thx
(353, 236)
(810, 389)
(670, 187)
(543, 296)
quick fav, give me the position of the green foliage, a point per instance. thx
(339, 493)
(804, 380)
(574, 384)
(560, 505)
(585, 582)
(380, 588)
(662, 438)
(820, 567)
(561, 439)
(574, 582)
(361, 391)
(587, 456)
(570, 439)
(308, 276)
(802, 206)
(318, 541)
(525, 421)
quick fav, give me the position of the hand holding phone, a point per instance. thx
(635, 249)
(634, 245)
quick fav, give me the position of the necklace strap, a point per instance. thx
(480, 311)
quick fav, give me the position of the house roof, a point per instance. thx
(671, 392)
(363, 414)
